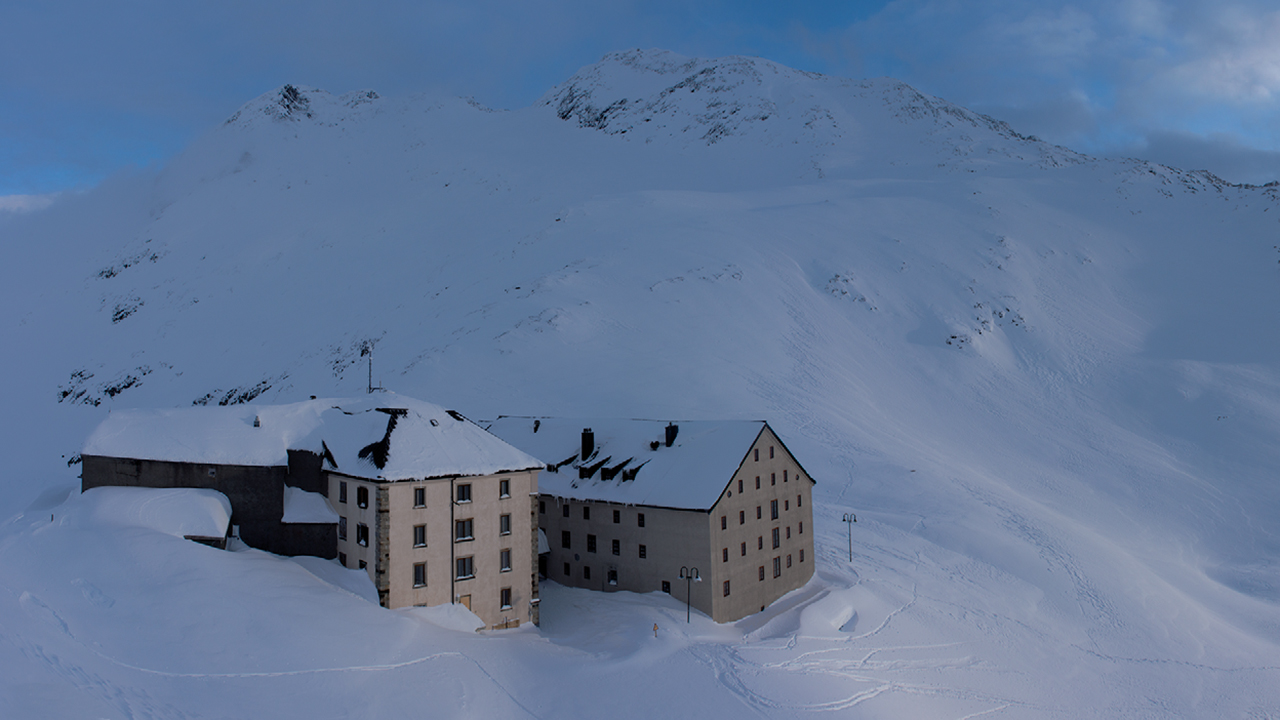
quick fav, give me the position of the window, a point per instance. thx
(419, 535)
(564, 539)
(504, 561)
(773, 509)
(739, 486)
(464, 493)
(566, 570)
(462, 530)
(342, 528)
(586, 512)
(644, 552)
(565, 510)
(586, 572)
(760, 543)
(742, 517)
(798, 503)
(466, 567)
(640, 519)
(363, 565)
(504, 525)
(666, 586)
(726, 588)
(757, 454)
(786, 504)
(362, 534)
(724, 522)
(591, 543)
(504, 598)
(617, 516)
(617, 547)
(744, 549)
(542, 507)
(788, 532)
(788, 561)
(419, 574)
(770, 452)
(773, 478)
(342, 559)
(801, 554)
(613, 576)
(757, 482)
(362, 497)
(777, 567)
(724, 555)
(419, 497)
(762, 572)
(777, 541)
(802, 527)
(504, 488)
(784, 476)
(758, 516)
(342, 491)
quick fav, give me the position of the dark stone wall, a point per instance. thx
(256, 495)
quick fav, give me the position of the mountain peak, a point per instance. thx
(295, 103)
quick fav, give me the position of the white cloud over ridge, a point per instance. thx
(25, 203)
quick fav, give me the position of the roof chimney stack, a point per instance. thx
(672, 429)
(588, 443)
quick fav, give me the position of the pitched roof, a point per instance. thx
(381, 435)
(688, 475)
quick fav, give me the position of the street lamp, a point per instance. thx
(689, 575)
(849, 519)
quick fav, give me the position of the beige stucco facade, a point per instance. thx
(411, 534)
(727, 543)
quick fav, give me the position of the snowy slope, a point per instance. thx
(1048, 384)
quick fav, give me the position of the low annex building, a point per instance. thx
(435, 508)
(628, 504)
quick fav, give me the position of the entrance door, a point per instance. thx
(466, 601)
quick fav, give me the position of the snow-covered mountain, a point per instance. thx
(1048, 384)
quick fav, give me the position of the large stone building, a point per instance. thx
(631, 504)
(435, 508)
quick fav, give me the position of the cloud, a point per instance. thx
(1221, 154)
(25, 203)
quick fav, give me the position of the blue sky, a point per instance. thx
(88, 89)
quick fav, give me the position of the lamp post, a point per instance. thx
(849, 519)
(689, 575)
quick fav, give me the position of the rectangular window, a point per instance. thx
(760, 543)
(786, 504)
(788, 561)
(761, 572)
(419, 574)
(362, 534)
(342, 528)
(586, 512)
(742, 517)
(565, 510)
(419, 535)
(739, 486)
(777, 541)
(724, 522)
(666, 586)
(462, 530)
(744, 549)
(798, 503)
(362, 497)
(342, 559)
(466, 567)
(504, 525)
(566, 570)
(504, 561)
(617, 547)
(542, 507)
(758, 516)
(788, 532)
(564, 539)
(801, 554)
(363, 565)
(757, 454)
(586, 572)
(464, 493)
(591, 543)
(770, 452)
(773, 509)
(802, 527)
(617, 516)
(773, 478)
(504, 598)
(784, 476)
(504, 488)
(644, 552)
(724, 555)
(342, 491)
(419, 497)
(777, 567)
(726, 588)
(640, 519)
(757, 482)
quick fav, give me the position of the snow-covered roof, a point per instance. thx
(196, 512)
(301, 506)
(380, 435)
(688, 475)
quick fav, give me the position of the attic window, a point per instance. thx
(435, 422)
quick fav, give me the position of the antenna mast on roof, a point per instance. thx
(367, 349)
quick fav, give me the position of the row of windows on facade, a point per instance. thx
(611, 576)
(566, 540)
(462, 491)
(586, 513)
(463, 530)
(464, 567)
(773, 480)
(757, 452)
(777, 542)
(773, 512)
(666, 584)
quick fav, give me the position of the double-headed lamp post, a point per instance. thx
(689, 575)
(849, 519)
